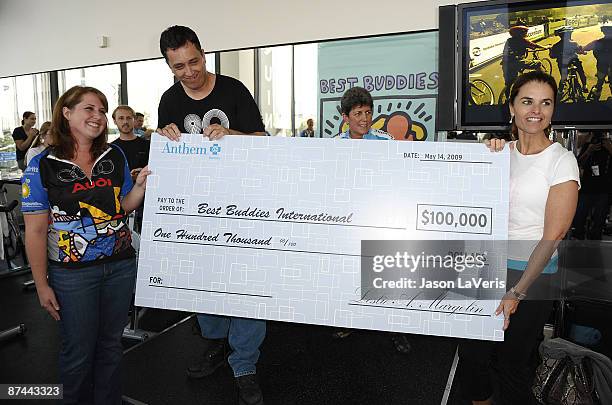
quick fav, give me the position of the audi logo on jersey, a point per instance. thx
(89, 185)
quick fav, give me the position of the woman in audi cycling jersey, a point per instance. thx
(76, 197)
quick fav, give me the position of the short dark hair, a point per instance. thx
(25, 116)
(355, 97)
(139, 114)
(523, 79)
(176, 36)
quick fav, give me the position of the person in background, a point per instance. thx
(79, 245)
(214, 105)
(41, 142)
(136, 150)
(595, 162)
(24, 136)
(309, 131)
(356, 106)
(514, 57)
(481, 27)
(139, 129)
(602, 50)
(544, 183)
(565, 52)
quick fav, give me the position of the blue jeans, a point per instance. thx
(244, 337)
(94, 303)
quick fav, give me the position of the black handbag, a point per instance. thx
(563, 382)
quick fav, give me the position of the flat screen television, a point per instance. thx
(497, 40)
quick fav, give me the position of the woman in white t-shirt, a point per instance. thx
(544, 183)
(41, 142)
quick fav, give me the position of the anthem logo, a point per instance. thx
(183, 148)
(215, 149)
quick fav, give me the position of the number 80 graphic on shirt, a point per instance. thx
(195, 125)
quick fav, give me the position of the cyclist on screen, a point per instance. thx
(514, 58)
(565, 52)
(602, 50)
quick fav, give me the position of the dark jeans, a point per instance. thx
(244, 336)
(595, 204)
(94, 303)
(508, 366)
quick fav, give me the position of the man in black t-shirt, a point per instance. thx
(200, 101)
(215, 106)
(136, 150)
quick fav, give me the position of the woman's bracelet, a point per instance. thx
(518, 295)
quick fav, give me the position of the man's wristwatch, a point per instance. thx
(518, 295)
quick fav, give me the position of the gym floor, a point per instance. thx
(299, 364)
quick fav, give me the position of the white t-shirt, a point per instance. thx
(531, 177)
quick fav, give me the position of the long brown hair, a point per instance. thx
(64, 144)
(532, 76)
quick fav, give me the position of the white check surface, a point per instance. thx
(305, 269)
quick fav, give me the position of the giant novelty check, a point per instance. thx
(271, 227)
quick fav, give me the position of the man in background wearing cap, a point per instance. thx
(602, 49)
(565, 52)
(514, 59)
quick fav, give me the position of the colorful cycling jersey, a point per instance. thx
(376, 134)
(86, 221)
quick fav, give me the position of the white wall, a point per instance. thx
(42, 35)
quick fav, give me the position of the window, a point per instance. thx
(210, 61)
(9, 115)
(305, 70)
(147, 81)
(18, 95)
(239, 65)
(275, 82)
